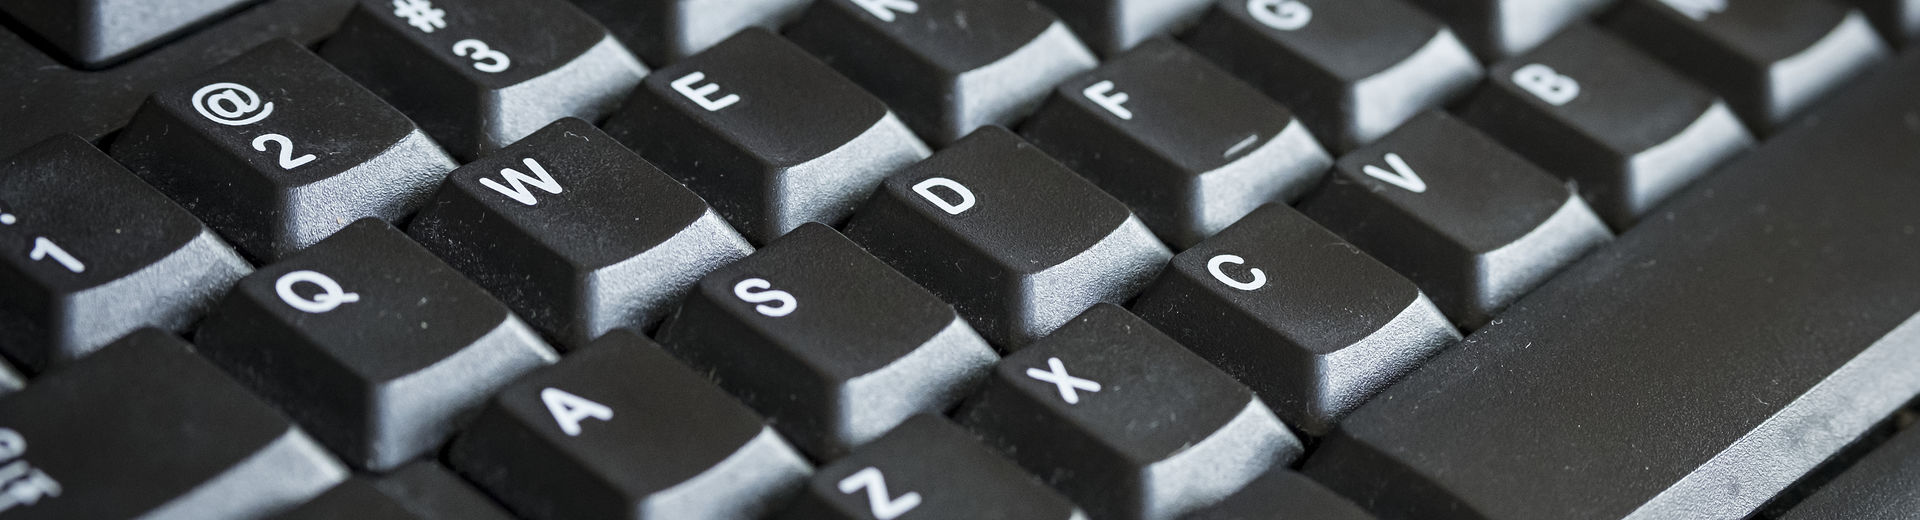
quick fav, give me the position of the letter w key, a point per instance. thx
(519, 181)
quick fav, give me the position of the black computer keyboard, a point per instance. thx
(959, 259)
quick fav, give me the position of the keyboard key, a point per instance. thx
(1183, 143)
(481, 74)
(1625, 129)
(96, 33)
(948, 66)
(1473, 224)
(277, 150)
(1285, 306)
(92, 253)
(352, 499)
(664, 31)
(432, 491)
(370, 343)
(147, 429)
(1499, 29)
(1898, 20)
(1693, 369)
(1279, 495)
(576, 233)
(41, 97)
(1352, 69)
(1769, 58)
(1123, 420)
(768, 133)
(1878, 486)
(844, 346)
(1014, 240)
(618, 429)
(927, 469)
(1113, 26)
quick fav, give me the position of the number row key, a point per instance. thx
(275, 149)
(948, 66)
(91, 253)
(480, 74)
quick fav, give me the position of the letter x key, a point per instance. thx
(1067, 383)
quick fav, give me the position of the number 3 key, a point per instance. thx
(481, 74)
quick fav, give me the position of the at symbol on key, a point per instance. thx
(1064, 381)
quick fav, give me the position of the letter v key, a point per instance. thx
(1402, 175)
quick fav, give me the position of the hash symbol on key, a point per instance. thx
(1066, 382)
(420, 14)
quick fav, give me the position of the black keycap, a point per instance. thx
(1123, 420)
(1285, 306)
(576, 233)
(434, 493)
(1015, 241)
(480, 74)
(96, 33)
(147, 429)
(1693, 369)
(1282, 495)
(1473, 224)
(619, 429)
(352, 499)
(1181, 142)
(40, 97)
(1625, 129)
(948, 66)
(1897, 20)
(371, 343)
(1880, 486)
(768, 133)
(663, 31)
(277, 150)
(1113, 26)
(1352, 69)
(843, 347)
(1769, 58)
(1498, 29)
(927, 469)
(91, 253)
